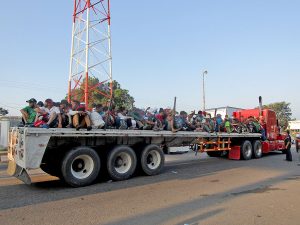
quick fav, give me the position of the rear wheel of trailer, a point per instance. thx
(80, 166)
(121, 163)
(152, 160)
(257, 149)
(246, 150)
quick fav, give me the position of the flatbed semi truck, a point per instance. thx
(77, 157)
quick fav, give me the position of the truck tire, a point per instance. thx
(214, 153)
(257, 149)
(246, 150)
(80, 166)
(152, 160)
(121, 163)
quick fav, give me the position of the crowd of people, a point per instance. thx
(49, 114)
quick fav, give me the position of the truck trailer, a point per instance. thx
(78, 157)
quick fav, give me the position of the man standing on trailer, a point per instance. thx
(288, 144)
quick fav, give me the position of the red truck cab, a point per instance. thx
(274, 138)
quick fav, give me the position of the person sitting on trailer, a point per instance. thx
(123, 121)
(227, 124)
(199, 117)
(96, 118)
(149, 120)
(191, 117)
(108, 118)
(64, 108)
(219, 122)
(137, 116)
(182, 123)
(210, 123)
(79, 115)
(52, 115)
(160, 120)
(29, 113)
(170, 123)
(253, 124)
(263, 126)
(99, 109)
(40, 104)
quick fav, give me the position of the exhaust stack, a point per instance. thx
(260, 106)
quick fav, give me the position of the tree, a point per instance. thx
(3, 111)
(121, 97)
(283, 112)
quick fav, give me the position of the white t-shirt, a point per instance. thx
(53, 109)
(122, 117)
(97, 120)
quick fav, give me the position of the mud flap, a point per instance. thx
(14, 170)
(235, 153)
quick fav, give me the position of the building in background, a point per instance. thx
(294, 126)
(223, 111)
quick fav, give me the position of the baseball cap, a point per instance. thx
(48, 100)
(32, 100)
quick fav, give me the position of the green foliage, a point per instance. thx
(121, 97)
(283, 112)
(3, 111)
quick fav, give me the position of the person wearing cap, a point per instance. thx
(288, 144)
(29, 113)
(53, 115)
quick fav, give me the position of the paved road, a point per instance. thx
(191, 190)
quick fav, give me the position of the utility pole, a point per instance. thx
(203, 88)
(90, 51)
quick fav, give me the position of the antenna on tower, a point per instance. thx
(90, 51)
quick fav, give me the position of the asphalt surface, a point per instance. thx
(191, 190)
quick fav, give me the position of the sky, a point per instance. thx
(160, 49)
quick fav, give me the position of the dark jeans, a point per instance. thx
(289, 156)
(54, 123)
(263, 135)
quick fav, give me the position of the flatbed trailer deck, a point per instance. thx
(78, 156)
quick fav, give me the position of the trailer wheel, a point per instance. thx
(257, 149)
(80, 166)
(246, 150)
(121, 163)
(152, 160)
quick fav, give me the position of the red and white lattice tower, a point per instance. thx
(90, 50)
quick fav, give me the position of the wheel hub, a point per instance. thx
(82, 166)
(78, 165)
(122, 162)
(153, 159)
